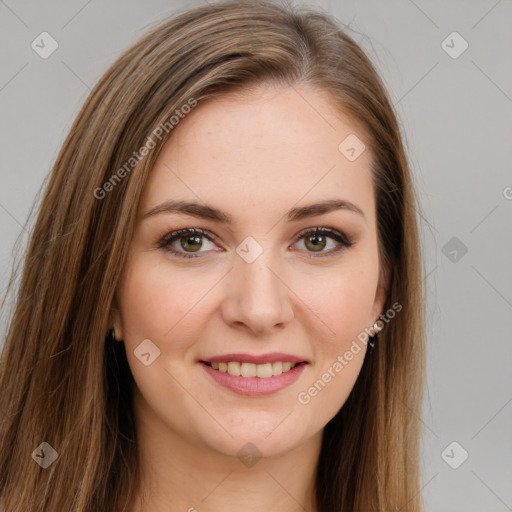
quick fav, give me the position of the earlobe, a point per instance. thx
(115, 321)
(117, 331)
(381, 294)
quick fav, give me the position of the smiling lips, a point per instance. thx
(263, 371)
(254, 375)
(247, 365)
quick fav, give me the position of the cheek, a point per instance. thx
(342, 306)
(352, 299)
(159, 302)
(341, 302)
(146, 304)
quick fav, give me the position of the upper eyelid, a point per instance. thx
(178, 233)
(327, 231)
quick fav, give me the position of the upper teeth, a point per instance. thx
(264, 370)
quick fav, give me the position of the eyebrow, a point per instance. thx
(204, 211)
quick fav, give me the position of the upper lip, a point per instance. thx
(259, 359)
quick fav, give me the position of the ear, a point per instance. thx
(116, 319)
(380, 294)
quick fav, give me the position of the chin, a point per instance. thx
(262, 442)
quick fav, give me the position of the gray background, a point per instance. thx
(456, 115)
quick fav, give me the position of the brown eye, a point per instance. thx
(316, 240)
(190, 242)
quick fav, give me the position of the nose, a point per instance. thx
(258, 299)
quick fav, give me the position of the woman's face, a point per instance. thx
(254, 288)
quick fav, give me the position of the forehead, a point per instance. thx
(267, 149)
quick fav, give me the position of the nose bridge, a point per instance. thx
(260, 284)
(258, 296)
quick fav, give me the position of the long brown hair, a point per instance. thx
(60, 383)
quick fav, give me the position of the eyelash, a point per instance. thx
(166, 241)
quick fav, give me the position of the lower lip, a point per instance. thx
(255, 386)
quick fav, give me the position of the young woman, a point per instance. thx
(222, 306)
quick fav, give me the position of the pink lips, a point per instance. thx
(255, 386)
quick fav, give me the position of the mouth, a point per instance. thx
(248, 370)
(254, 375)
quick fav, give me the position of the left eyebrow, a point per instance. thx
(204, 211)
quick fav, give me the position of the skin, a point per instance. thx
(256, 156)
